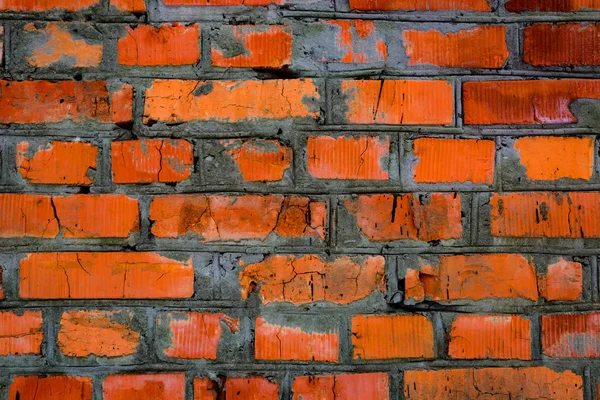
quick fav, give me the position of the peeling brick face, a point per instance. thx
(259, 160)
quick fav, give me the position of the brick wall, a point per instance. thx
(325, 199)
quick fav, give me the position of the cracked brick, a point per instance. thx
(21, 333)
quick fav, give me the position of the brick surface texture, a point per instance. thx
(299, 199)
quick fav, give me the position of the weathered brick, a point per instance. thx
(54, 387)
(104, 276)
(259, 160)
(379, 337)
(57, 163)
(35, 102)
(571, 335)
(514, 383)
(562, 44)
(221, 2)
(364, 157)
(563, 281)
(167, 386)
(525, 102)
(481, 47)
(37, 5)
(420, 5)
(251, 387)
(545, 214)
(550, 158)
(134, 6)
(193, 334)
(235, 218)
(296, 338)
(21, 333)
(97, 332)
(400, 102)
(356, 42)
(387, 217)
(27, 215)
(551, 5)
(177, 101)
(368, 386)
(151, 161)
(307, 279)
(490, 336)
(205, 389)
(168, 44)
(440, 160)
(253, 46)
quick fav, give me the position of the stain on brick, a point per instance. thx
(251, 387)
(259, 160)
(564, 44)
(167, 386)
(50, 387)
(342, 386)
(134, 6)
(420, 5)
(206, 389)
(21, 333)
(571, 335)
(357, 42)
(551, 5)
(563, 281)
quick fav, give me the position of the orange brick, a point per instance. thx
(562, 281)
(490, 336)
(27, 215)
(387, 217)
(260, 160)
(368, 386)
(37, 5)
(168, 44)
(551, 5)
(255, 388)
(400, 102)
(380, 337)
(357, 42)
(176, 101)
(365, 157)
(205, 389)
(221, 2)
(235, 218)
(420, 5)
(100, 333)
(513, 383)
(134, 6)
(301, 280)
(195, 335)
(151, 161)
(144, 387)
(21, 334)
(34, 102)
(293, 343)
(545, 214)
(57, 163)
(264, 46)
(60, 45)
(104, 276)
(473, 277)
(571, 335)
(50, 388)
(569, 44)
(550, 158)
(481, 47)
(525, 102)
(454, 160)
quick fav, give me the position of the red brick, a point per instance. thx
(97, 332)
(365, 157)
(60, 45)
(168, 44)
(50, 388)
(221, 2)
(420, 5)
(34, 102)
(151, 161)
(510, 383)
(205, 389)
(368, 386)
(481, 47)
(57, 163)
(357, 42)
(255, 388)
(235, 218)
(37, 5)
(167, 386)
(104, 276)
(380, 337)
(400, 102)
(21, 333)
(473, 277)
(552, 5)
(490, 336)
(387, 217)
(454, 160)
(301, 280)
(177, 101)
(525, 102)
(545, 214)
(571, 335)
(550, 158)
(563, 44)
(265, 46)
(134, 6)
(259, 160)
(293, 343)
(562, 281)
(195, 335)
